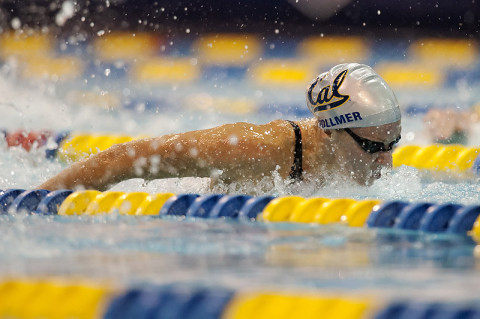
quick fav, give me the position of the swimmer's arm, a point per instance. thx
(146, 158)
(229, 152)
(100, 170)
(244, 151)
(239, 150)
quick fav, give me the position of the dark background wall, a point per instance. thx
(442, 17)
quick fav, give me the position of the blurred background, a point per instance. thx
(217, 61)
(136, 54)
(290, 17)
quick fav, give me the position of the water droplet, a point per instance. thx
(193, 152)
(16, 23)
(233, 140)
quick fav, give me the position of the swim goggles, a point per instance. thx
(372, 146)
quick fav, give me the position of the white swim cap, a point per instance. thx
(352, 95)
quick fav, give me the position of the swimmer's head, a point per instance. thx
(352, 95)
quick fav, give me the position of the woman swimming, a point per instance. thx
(357, 122)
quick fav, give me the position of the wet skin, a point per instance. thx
(364, 167)
(231, 153)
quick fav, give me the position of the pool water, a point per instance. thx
(239, 254)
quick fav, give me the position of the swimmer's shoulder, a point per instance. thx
(303, 124)
(274, 133)
(254, 128)
(273, 127)
(279, 128)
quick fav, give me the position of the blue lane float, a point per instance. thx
(393, 310)
(52, 201)
(202, 206)
(229, 206)
(400, 310)
(28, 201)
(411, 215)
(463, 219)
(438, 217)
(386, 214)
(170, 302)
(177, 205)
(253, 207)
(427, 217)
(7, 197)
(419, 310)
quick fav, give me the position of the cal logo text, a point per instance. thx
(329, 97)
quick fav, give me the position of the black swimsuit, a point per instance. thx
(297, 170)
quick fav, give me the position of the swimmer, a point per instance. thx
(450, 126)
(356, 124)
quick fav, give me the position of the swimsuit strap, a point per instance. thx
(296, 173)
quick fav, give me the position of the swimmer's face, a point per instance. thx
(362, 166)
